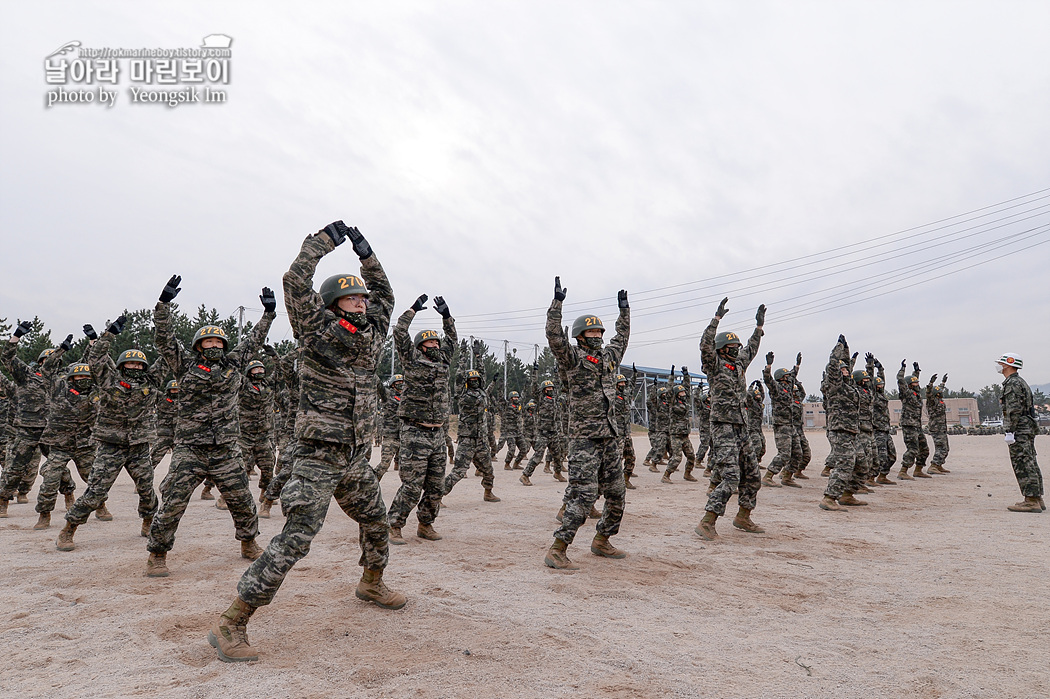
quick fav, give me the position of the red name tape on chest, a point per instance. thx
(348, 325)
(593, 360)
(201, 366)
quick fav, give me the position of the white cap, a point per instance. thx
(1011, 360)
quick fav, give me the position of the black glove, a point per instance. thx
(634, 368)
(915, 365)
(23, 327)
(621, 299)
(672, 371)
(361, 246)
(337, 231)
(171, 289)
(945, 379)
(418, 305)
(441, 307)
(535, 367)
(559, 293)
(842, 339)
(798, 359)
(760, 315)
(269, 301)
(90, 332)
(117, 326)
(869, 358)
(269, 350)
(904, 363)
(878, 364)
(853, 359)
(722, 310)
(685, 370)
(769, 359)
(933, 379)
(67, 344)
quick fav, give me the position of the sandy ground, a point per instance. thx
(935, 590)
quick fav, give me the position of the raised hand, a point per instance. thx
(361, 246)
(90, 332)
(337, 231)
(945, 379)
(933, 379)
(869, 358)
(904, 363)
(621, 299)
(270, 351)
(722, 309)
(915, 365)
(117, 326)
(269, 301)
(769, 359)
(23, 327)
(760, 315)
(67, 344)
(798, 359)
(418, 305)
(171, 289)
(842, 339)
(672, 371)
(441, 307)
(559, 292)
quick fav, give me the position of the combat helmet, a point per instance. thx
(860, 376)
(879, 382)
(173, 384)
(530, 405)
(1011, 360)
(545, 384)
(397, 378)
(340, 285)
(514, 394)
(584, 323)
(78, 370)
(210, 331)
(471, 374)
(724, 339)
(254, 364)
(620, 378)
(132, 355)
(424, 335)
(780, 374)
(44, 354)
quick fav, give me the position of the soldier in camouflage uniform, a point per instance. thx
(426, 361)
(756, 408)
(783, 398)
(74, 405)
(842, 399)
(342, 329)
(124, 428)
(510, 425)
(34, 386)
(625, 395)
(702, 408)
(589, 373)
(678, 427)
(390, 400)
(167, 412)
(885, 451)
(548, 426)
(659, 423)
(7, 403)
(725, 362)
(938, 423)
(473, 446)
(210, 375)
(864, 469)
(528, 427)
(286, 373)
(255, 413)
(916, 449)
(1020, 426)
(800, 427)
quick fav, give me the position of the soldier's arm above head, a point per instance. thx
(832, 375)
(306, 311)
(708, 356)
(618, 344)
(9, 358)
(52, 362)
(402, 340)
(557, 340)
(767, 378)
(451, 339)
(687, 381)
(751, 350)
(902, 385)
(157, 371)
(380, 293)
(163, 337)
(98, 358)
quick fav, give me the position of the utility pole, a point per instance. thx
(240, 322)
(471, 350)
(505, 343)
(392, 372)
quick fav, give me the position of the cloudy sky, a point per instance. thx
(684, 151)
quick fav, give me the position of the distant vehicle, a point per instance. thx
(993, 422)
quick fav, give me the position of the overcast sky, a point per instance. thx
(483, 147)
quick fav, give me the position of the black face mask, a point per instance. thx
(432, 353)
(731, 351)
(473, 383)
(213, 353)
(592, 343)
(358, 320)
(83, 385)
(134, 374)
(259, 378)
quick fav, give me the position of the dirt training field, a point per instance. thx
(935, 590)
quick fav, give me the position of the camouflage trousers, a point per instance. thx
(160, 448)
(320, 471)
(789, 449)
(758, 444)
(679, 445)
(282, 472)
(257, 452)
(558, 454)
(864, 468)
(842, 460)
(471, 451)
(734, 464)
(190, 466)
(1026, 468)
(543, 443)
(20, 470)
(916, 450)
(515, 447)
(628, 455)
(886, 452)
(806, 453)
(110, 459)
(422, 475)
(56, 477)
(705, 443)
(525, 446)
(659, 443)
(594, 470)
(450, 447)
(391, 453)
(940, 445)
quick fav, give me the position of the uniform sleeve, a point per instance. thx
(557, 340)
(618, 345)
(752, 347)
(99, 360)
(248, 344)
(304, 305)
(164, 338)
(402, 341)
(767, 378)
(9, 358)
(157, 371)
(902, 387)
(708, 357)
(451, 339)
(380, 294)
(52, 362)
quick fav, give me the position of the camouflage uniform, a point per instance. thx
(390, 399)
(886, 452)
(7, 402)
(528, 429)
(424, 410)
(783, 399)
(34, 385)
(167, 412)
(334, 425)
(207, 444)
(594, 446)
(473, 445)
(286, 374)
(916, 449)
(624, 401)
(255, 413)
(548, 427)
(732, 459)
(702, 407)
(68, 437)
(864, 468)
(842, 399)
(510, 425)
(659, 423)
(678, 427)
(124, 427)
(560, 453)
(797, 417)
(1019, 418)
(756, 408)
(938, 422)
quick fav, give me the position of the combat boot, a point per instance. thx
(264, 508)
(826, 473)
(707, 472)
(220, 503)
(1029, 504)
(561, 513)
(70, 499)
(22, 499)
(517, 464)
(525, 480)
(711, 488)
(395, 537)
(743, 521)
(557, 558)
(883, 480)
(688, 476)
(102, 513)
(1042, 505)
(903, 475)
(559, 477)
(250, 550)
(157, 565)
(490, 496)
(547, 467)
(917, 473)
(768, 482)
(801, 476)
(206, 493)
(627, 483)
(829, 503)
(850, 501)
(146, 523)
(870, 482)
(44, 522)
(667, 477)
(937, 468)
(706, 528)
(788, 480)
(65, 538)
(507, 466)
(601, 546)
(863, 489)
(594, 513)
(426, 531)
(653, 467)
(229, 636)
(371, 588)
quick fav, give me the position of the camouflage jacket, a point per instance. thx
(865, 409)
(7, 396)
(255, 409)
(472, 402)
(659, 410)
(34, 385)
(425, 397)
(390, 400)
(624, 401)
(286, 377)
(127, 407)
(911, 402)
(702, 406)
(728, 384)
(1018, 406)
(591, 376)
(528, 424)
(71, 417)
(841, 395)
(548, 418)
(880, 407)
(209, 391)
(755, 412)
(936, 411)
(782, 396)
(510, 424)
(681, 410)
(167, 413)
(337, 367)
